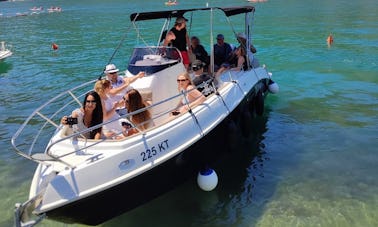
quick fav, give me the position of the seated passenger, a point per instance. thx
(201, 80)
(222, 51)
(87, 116)
(199, 51)
(120, 84)
(134, 102)
(193, 96)
(241, 63)
(253, 61)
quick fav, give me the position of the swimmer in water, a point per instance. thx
(330, 40)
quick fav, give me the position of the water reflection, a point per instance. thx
(5, 67)
(238, 172)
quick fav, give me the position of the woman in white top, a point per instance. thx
(111, 129)
(87, 116)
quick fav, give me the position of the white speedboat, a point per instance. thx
(4, 51)
(90, 181)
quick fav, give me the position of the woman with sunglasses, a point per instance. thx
(89, 115)
(193, 96)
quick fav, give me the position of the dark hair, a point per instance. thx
(97, 115)
(194, 38)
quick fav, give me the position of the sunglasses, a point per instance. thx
(178, 81)
(91, 101)
(113, 73)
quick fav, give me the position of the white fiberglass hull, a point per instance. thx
(127, 173)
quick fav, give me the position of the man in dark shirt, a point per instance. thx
(222, 51)
(178, 37)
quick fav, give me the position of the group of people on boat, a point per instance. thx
(110, 98)
(225, 56)
(114, 96)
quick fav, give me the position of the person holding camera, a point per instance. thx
(89, 115)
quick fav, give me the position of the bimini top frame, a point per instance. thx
(169, 14)
(229, 11)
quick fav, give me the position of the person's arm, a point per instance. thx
(108, 114)
(127, 82)
(130, 80)
(240, 64)
(196, 98)
(203, 50)
(168, 38)
(188, 43)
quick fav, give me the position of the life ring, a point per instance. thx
(259, 103)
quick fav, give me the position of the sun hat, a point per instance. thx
(180, 20)
(241, 35)
(220, 36)
(111, 68)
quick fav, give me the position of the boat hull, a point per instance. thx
(130, 194)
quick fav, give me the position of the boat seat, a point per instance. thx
(146, 96)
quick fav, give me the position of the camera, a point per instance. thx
(71, 120)
(174, 113)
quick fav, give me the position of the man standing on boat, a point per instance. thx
(178, 37)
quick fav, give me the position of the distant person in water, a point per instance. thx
(330, 40)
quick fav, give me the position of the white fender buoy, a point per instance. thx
(273, 87)
(207, 179)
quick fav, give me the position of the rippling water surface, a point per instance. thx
(312, 160)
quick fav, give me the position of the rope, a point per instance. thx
(118, 46)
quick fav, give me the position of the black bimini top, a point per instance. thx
(229, 11)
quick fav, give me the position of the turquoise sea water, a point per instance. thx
(314, 159)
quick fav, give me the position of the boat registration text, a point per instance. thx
(154, 150)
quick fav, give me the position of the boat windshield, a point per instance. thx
(153, 59)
